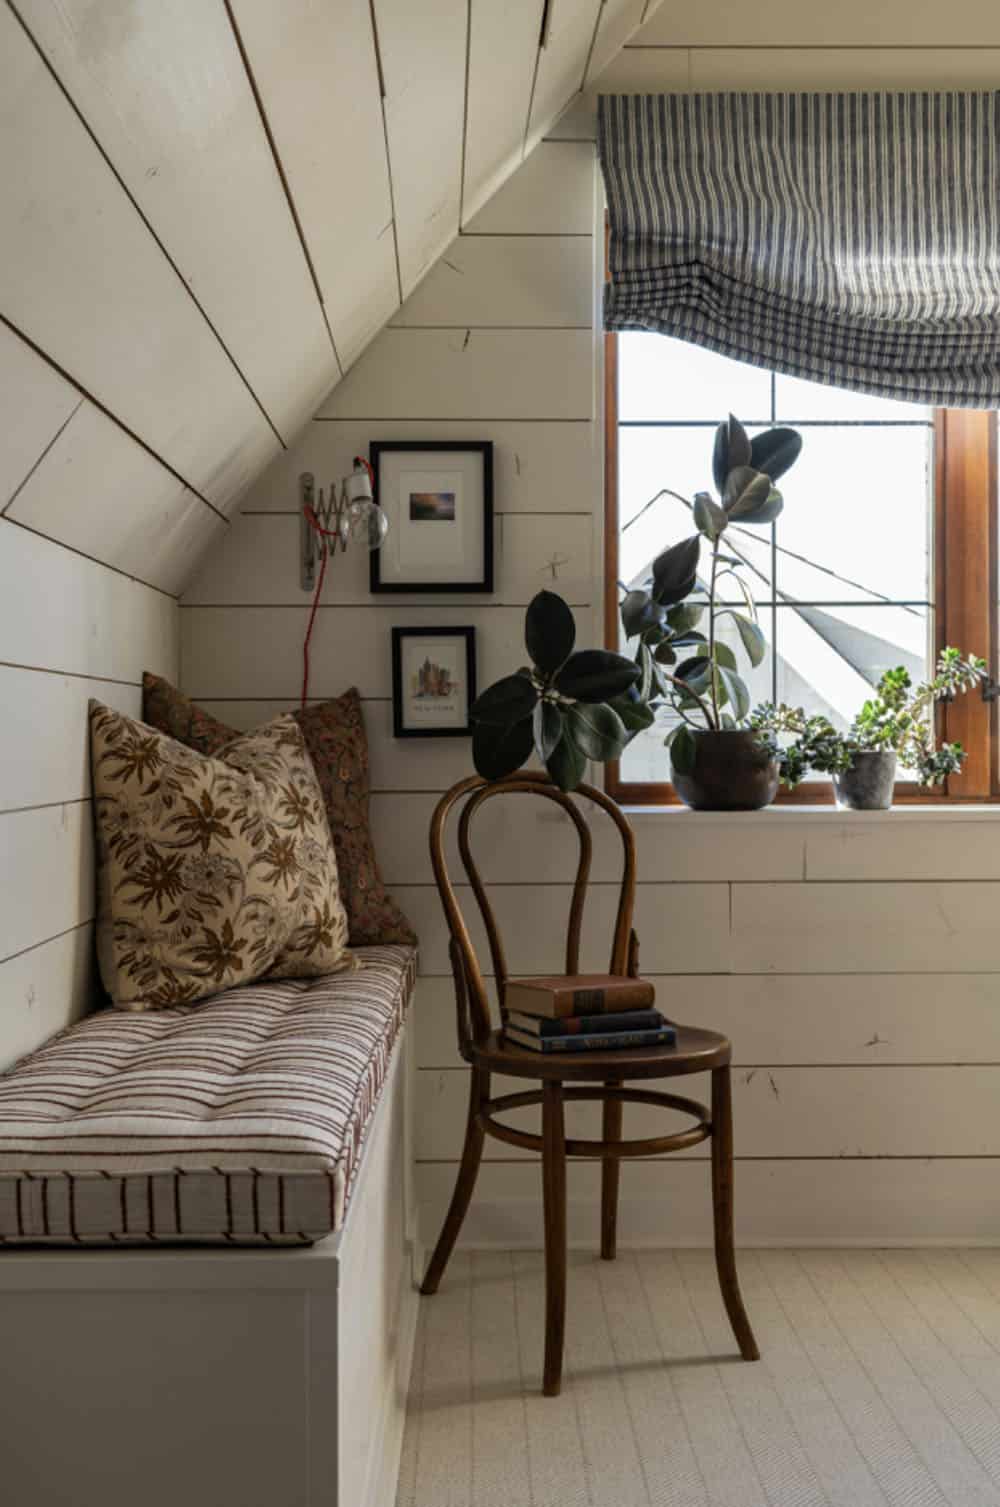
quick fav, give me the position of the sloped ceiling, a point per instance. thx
(210, 209)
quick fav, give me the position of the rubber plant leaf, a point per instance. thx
(635, 715)
(549, 631)
(640, 612)
(595, 675)
(768, 510)
(732, 448)
(686, 615)
(548, 728)
(736, 691)
(775, 451)
(597, 731)
(499, 751)
(675, 572)
(754, 641)
(709, 518)
(745, 491)
(694, 670)
(682, 750)
(566, 765)
(509, 700)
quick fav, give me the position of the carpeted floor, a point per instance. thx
(879, 1383)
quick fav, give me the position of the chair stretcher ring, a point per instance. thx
(652, 1146)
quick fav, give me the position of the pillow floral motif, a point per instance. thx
(334, 733)
(212, 872)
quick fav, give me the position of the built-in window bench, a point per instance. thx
(207, 1250)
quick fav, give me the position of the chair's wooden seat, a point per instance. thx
(696, 1052)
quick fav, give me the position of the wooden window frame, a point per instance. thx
(965, 593)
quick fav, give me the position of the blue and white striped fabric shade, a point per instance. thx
(852, 239)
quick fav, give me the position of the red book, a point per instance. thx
(578, 994)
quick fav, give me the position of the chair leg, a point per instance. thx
(472, 1151)
(611, 1130)
(722, 1205)
(554, 1191)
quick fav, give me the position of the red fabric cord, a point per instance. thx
(325, 552)
(324, 555)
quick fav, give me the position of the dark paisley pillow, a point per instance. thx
(334, 734)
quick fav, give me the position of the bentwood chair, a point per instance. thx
(601, 1076)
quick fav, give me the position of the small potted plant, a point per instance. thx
(895, 726)
(719, 763)
(566, 707)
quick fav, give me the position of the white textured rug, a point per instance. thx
(879, 1383)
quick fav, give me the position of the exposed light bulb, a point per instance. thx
(369, 525)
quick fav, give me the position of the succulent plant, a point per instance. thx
(566, 707)
(682, 660)
(897, 719)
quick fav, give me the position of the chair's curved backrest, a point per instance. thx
(471, 997)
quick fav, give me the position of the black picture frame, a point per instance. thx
(399, 729)
(484, 582)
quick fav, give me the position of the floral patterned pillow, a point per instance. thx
(212, 872)
(334, 733)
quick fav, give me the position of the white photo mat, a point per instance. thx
(434, 501)
(434, 674)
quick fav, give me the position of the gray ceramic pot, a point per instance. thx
(868, 784)
(731, 773)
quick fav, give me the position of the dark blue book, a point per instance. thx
(664, 1036)
(577, 1025)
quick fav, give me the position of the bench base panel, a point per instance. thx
(220, 1378)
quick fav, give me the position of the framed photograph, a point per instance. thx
(433, 682)
(438, 498)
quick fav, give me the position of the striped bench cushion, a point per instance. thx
(237, 1120)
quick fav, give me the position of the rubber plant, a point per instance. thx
(566, 707)
(676, 618)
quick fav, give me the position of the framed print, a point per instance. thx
(433, 682)
(438, 498)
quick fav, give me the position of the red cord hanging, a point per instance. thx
(325, 552)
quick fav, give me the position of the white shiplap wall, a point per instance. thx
(81, 615)
(209, 211)
(852, 960)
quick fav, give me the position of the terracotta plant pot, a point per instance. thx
(868, 784)
(731, 772)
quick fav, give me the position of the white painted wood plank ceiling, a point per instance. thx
(211, 207)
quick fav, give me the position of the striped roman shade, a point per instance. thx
(852, 239)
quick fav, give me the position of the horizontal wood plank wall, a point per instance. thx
(851, 960)
(85, 607)
(201, 236)
(72, 629)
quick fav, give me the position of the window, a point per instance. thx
(884, 553)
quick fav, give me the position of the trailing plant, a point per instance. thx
(566, 707)
(816, 744)
(683, 661)
(897, 719)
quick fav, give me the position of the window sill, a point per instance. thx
(790, 814)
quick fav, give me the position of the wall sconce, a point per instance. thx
(347, 514)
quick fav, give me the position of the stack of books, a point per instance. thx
(594, 1012)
